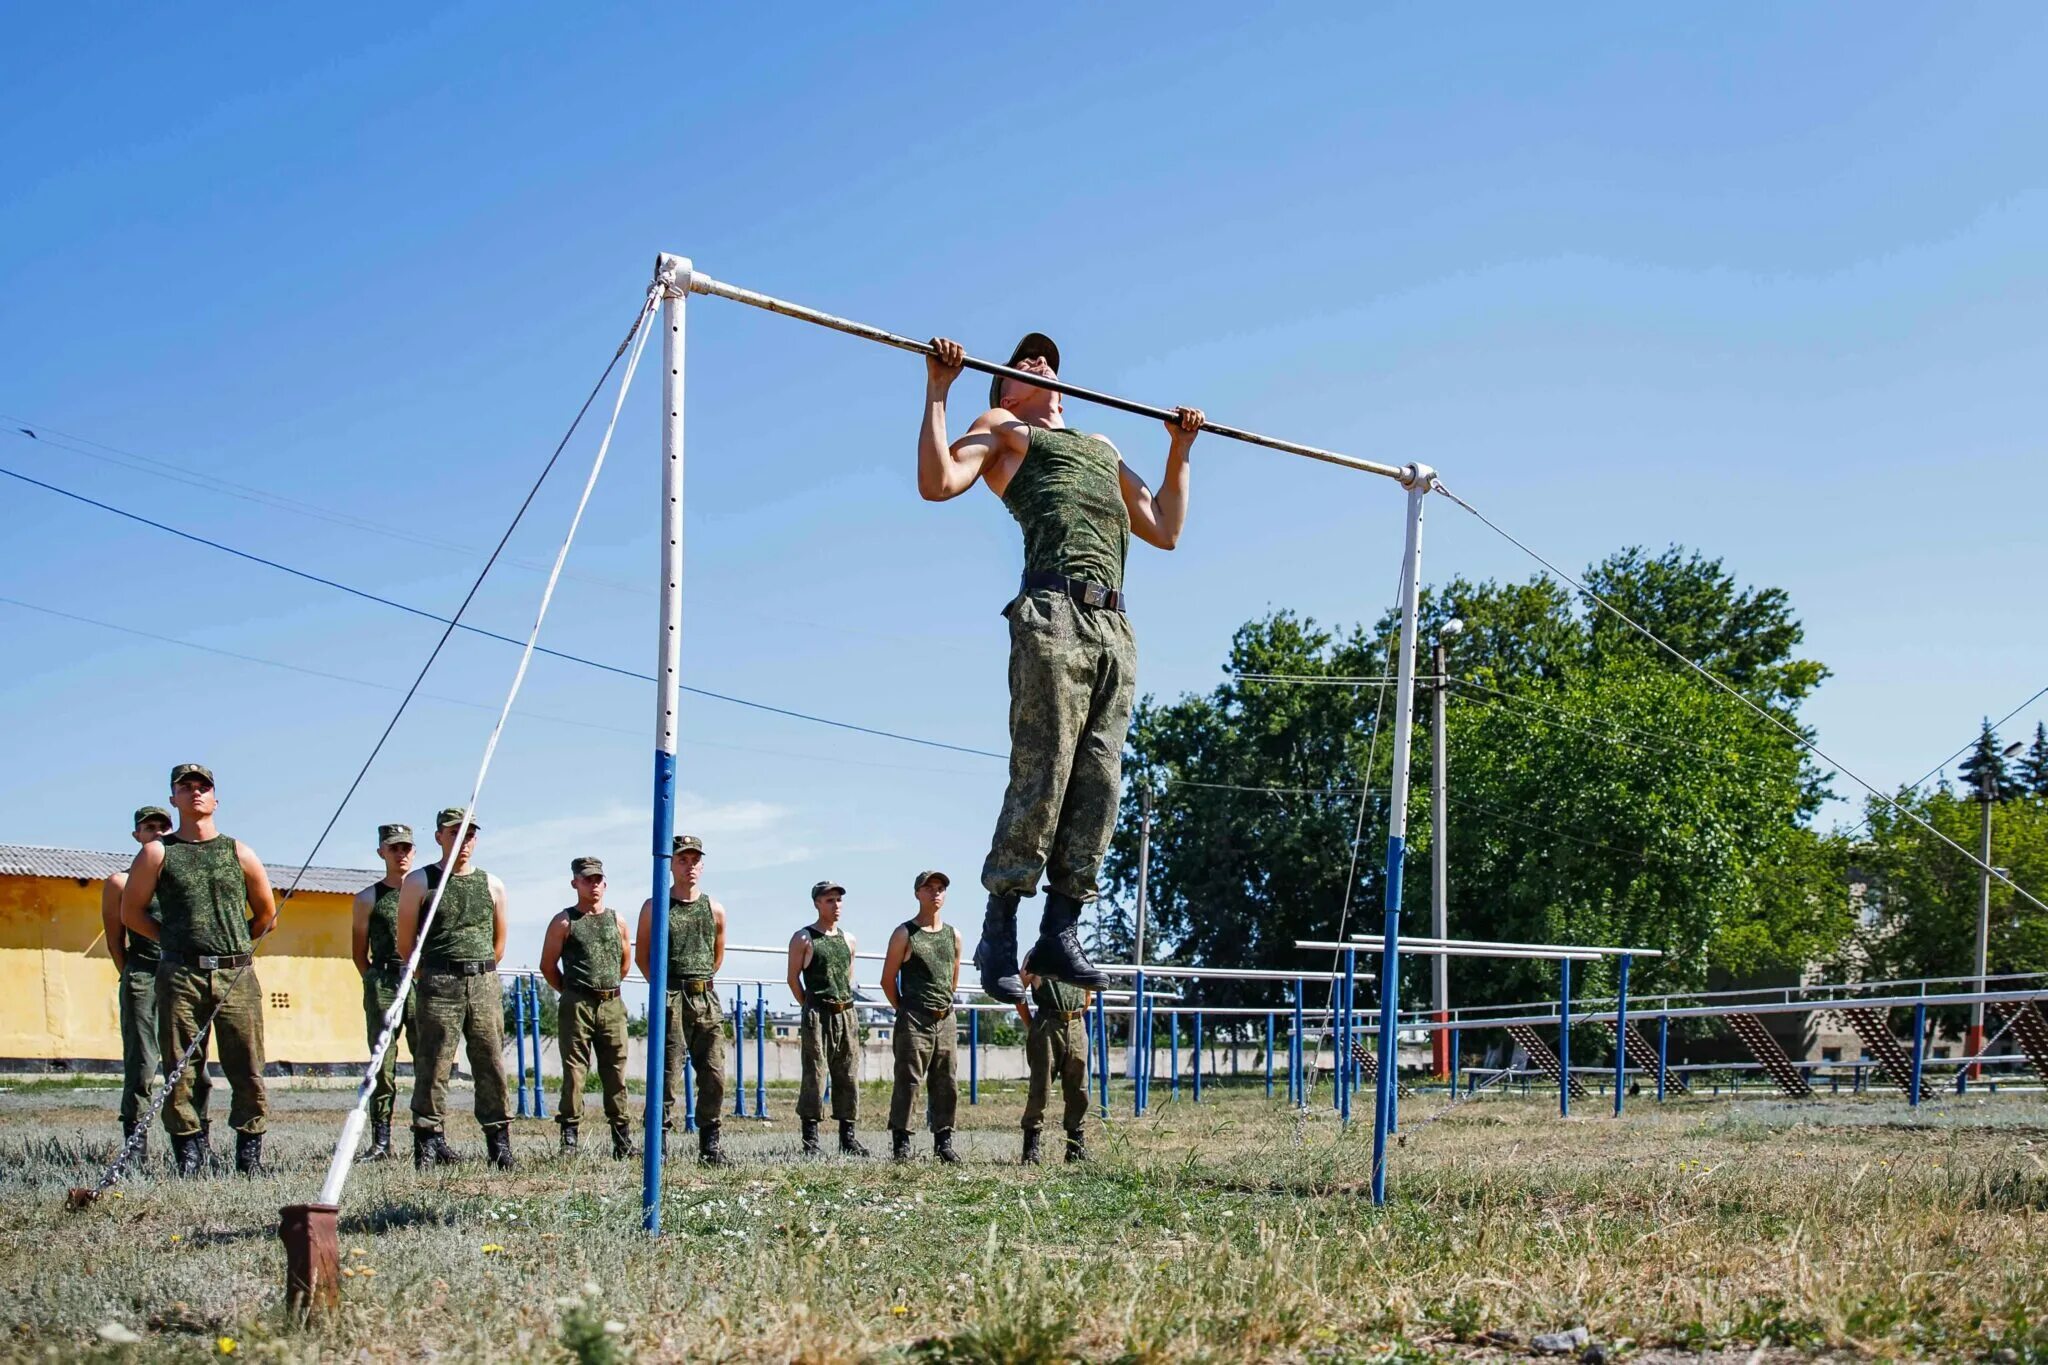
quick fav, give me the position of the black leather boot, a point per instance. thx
(190, 1154)
(622, 1143)
(849, 1144)
(380, 1141)
(996, 954)
(568, 1139)
(942, 1147)
(498, 1142)
(249, 1154)
(899, 1144)
(422, 1149)
(1030, 1157)
(709, 1152)
(811, 1147)
(1077, 1146)
(1058, 952)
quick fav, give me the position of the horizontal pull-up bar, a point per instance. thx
(669, 270)
(1451, 950)
(1417, 944)
(1719, 1011)
(1219, 973)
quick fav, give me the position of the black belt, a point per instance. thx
(391, 969)
(1083, 593)
(1069, 1016)
(933, 1015)
(207, 962)
(593, 992)
(694, 986)
(829, 1006)
(451, 968)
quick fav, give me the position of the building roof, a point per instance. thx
(31, 860)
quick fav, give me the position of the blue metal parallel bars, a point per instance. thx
(1195, 1060)
(1295, 1052)
(973, 1056)
(1621, 1033)
(519, 1040)
(1102, 1052)
(1137, 1042)
(739, 1052)
(1173, 1052)
(1269, 1054)
(1919, 1050)
(1453, 1058)
(1663, 1052)
(760, 1051)
(540, 1099)
(1564, 1039)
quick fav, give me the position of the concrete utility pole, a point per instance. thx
(1439, 856)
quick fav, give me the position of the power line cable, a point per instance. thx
(424, 614)
(544, 716)
(1736, 693)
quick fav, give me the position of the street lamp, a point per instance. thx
(1987, 793)
(1439, 829)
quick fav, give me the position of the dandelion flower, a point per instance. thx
(226, 1346)
(491, 1247)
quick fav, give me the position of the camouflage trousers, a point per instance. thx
(925, 1048)
(696, 1028)
(1057, 1047)
(453, 1012)
(185, 996)
(378, 991)
(1073, 674)
(831, 1042)
(586, 1024)
(141, 1058)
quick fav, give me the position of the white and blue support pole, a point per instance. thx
(540, 1103)
(519, 1040)
(1418, 479)
(673, 274)
(1564, 1038)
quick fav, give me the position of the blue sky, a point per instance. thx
(1764, 281)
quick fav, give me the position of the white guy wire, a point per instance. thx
(352, 1127)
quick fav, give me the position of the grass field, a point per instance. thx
(1233, 1230)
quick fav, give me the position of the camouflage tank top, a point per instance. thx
(1068, 498)
(829, 975)
(383, 927)
(590, 951)
(203, 896)
(465, 927)
(692, 939)
(926, 977)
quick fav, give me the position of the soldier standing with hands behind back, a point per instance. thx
(373, 940)
(920, 972)
(821, 979)
(216, 902)
(696, 1024)
(584, 956)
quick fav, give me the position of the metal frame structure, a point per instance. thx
(676, 278)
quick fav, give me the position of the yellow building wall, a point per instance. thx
(57, 997)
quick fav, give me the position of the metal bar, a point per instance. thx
(1102, 1052)
(1663, 1052)
(1564, 1039)
(1439, 861)
(519, 1041)
(973, 1057)
(1720, 1011)
(540, 1100)
(702, 284)
(739, 1048)
(1269, 1054)
(1397, 824)
(1137, 1039)
(674, 272)
(1298, 1093)
(1453, 950)
(1226, 973)
(1173, 1052)
(1919, 1050)
(1347, 1037)
(1840, 994)
(760, 1053)
(1621, 1035)
(1195, 1060)
(1415, 943)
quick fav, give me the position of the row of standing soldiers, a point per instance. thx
(182, 922)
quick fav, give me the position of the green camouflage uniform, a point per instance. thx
(454, 1010)
(926, 1032)
(831, 1033)
(696, 1024)
(1057, 1044)
(380, 987)
(592, 1015)
(205, 903)
(135, 999)
(1073, 672)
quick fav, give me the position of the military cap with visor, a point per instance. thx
(185, 770)
(685, 843)
(820, 890)
(143, 813)
(927, 876)
(586, 867)
(451, 817)
(1034, 344)
(388, 835)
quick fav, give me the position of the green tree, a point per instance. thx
(1921, 896)
(1985, 769)
(2033, 763)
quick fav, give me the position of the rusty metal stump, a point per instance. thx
(312, 1257)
